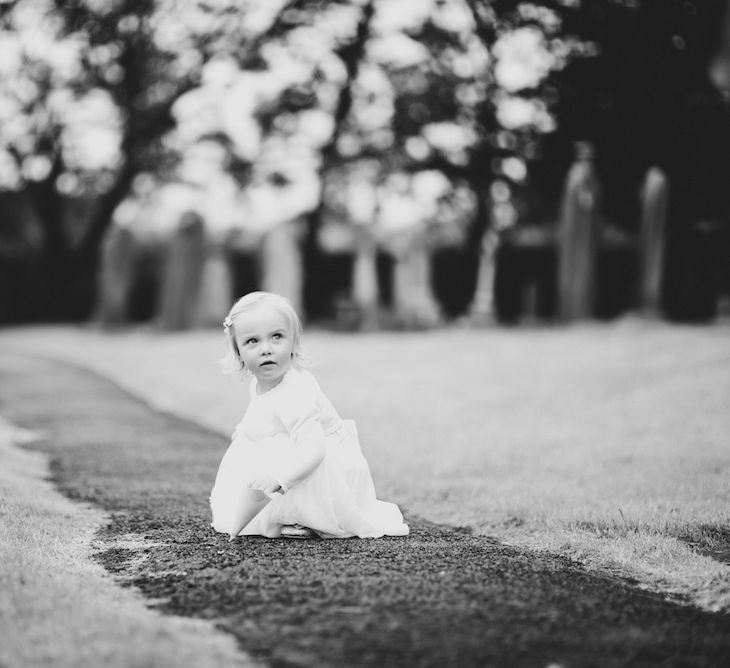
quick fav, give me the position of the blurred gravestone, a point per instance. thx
(182, 273)
(216, 287)
(577, 241)
(116, 277)
(281, 263)
(654, 199)
(413, 297)
(719, 70)
(365, 279)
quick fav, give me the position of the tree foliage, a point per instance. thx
(392, 114)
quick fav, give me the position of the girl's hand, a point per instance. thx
(267, 485)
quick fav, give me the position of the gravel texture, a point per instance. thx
(440, 597)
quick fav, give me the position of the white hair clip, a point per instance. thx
(228, 323)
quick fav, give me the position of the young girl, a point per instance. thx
(294, 466)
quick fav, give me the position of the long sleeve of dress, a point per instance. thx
(299, 412)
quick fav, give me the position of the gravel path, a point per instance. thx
(441, 597)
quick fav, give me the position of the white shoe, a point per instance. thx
(296, 531)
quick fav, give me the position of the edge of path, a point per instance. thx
(62, 604)
(442, 597)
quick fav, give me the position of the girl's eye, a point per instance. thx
(276, 337)
(249, 341)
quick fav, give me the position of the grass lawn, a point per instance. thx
(58, 608)
(605, 443)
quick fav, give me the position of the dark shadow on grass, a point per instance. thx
(710, 540)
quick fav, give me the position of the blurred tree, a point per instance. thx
(94, 93)
(391, 115)
(347, 110)
(85, 91)
(647, 101)
(644, 99)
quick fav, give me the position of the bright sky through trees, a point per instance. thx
(266, 78)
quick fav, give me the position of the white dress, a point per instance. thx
(336, 500)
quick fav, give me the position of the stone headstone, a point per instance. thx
(652, 239)
(116, 276)
(281, 263)
(414, 302)
(216, 287)
(577, 239)
(182, 274)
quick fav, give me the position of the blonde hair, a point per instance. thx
(232, 364)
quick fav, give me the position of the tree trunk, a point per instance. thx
(63, 289)
(482, 306)
(352, 55)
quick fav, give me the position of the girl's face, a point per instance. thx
(266, 344)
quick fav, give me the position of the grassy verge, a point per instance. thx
(606, 444)
(440, 598)
(60, 609)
